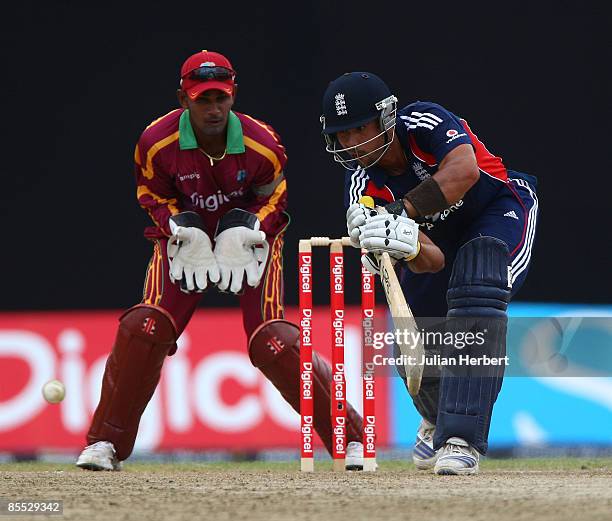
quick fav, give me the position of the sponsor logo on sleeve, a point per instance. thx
(453, 134)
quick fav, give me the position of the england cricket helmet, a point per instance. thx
(351, 101)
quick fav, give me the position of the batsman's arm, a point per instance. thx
(430, 258)
(457, 173)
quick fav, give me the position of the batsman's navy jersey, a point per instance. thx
(502, 204)
(428, 132)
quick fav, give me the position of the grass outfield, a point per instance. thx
(496, 465)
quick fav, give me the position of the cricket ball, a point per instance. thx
(54, 391)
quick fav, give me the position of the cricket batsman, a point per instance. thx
(212, 181)
(461, 228)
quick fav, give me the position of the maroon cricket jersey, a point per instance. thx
(173, 175)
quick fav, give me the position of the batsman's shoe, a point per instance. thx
(354, 456)
(424, 456)
(99, 456)
(456, 457)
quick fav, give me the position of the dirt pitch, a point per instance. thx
(557, 489)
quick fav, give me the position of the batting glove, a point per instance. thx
(357, 215)
(394, 234)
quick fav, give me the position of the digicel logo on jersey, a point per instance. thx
(214, 201)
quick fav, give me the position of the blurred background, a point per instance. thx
(81, 82)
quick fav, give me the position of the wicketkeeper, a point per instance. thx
(212, 182)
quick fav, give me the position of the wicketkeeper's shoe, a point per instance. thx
(354, 456)
(99, 456)
(424, 456)
(456, 457)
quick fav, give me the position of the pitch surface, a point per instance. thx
(557, 489)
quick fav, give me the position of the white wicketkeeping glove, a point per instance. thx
(190, 254)
(241, 250)
(394, 234)
(357, 215)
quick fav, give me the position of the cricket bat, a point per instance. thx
(403, 319)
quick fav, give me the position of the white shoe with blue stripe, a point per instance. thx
(457, 457)
(424, 456)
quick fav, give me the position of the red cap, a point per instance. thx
(194, 88)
